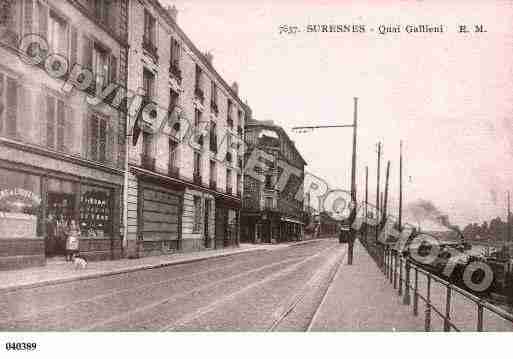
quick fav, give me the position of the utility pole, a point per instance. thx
(401, 186)
(366, 198)
(377, 188)
(508, 220)
(385, 203)
(352, 232)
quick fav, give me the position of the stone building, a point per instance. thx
(61, 158)
(185, 178)
(271, 212)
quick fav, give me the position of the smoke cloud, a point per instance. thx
(423, 210)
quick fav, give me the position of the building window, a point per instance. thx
(197, 163)
(198, 91)
(197, 215)
(174, 66)
(101, 63)
(149, 29)
(238, 184)
(228, 181)
(98, 131)
(148, 83)
(55, 123)
(8, 105)
(268, 182)
(197, 118)
(268, 202)
(147, 144)
(173, 99)
(173, 155)
(213, 137)
(229, 118)
(57, 34)
(101, 10)
(213, 175)
(213, 98)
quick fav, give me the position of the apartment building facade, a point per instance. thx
(272, 213)
(185, 159)
(61, 158)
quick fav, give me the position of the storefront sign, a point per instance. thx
(9, 194)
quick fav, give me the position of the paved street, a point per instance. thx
(261, 290)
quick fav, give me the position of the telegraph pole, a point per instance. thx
(385, 203)
(508, 220)
(377, 188)
(366, 198)
(353, 186)
(401, 186)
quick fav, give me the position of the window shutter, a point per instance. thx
(27, 128)
(28, 20)
(111, 144)
(12, 107)
(2, 106)
(87, 52)
(73, 47)
(41, 119)
(43, 14)
(85, 135)
(113, 69)
(70, 142)
(61, 120)
(50, 119)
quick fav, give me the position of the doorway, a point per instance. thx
(206, 233)
(60, 212)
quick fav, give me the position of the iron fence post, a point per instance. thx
(447, 323)
(427, 322)
(395, 270)
(400, 292)
(406, 298)
(416, 293)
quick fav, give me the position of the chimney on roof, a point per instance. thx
(209, 56)
(235, 87)
(173, 12)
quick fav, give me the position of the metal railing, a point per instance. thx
(407, 277)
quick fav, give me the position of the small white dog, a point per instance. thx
(79, 262)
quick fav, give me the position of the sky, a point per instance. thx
(447, 96)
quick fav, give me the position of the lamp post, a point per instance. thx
(354, 126)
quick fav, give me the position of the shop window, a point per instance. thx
(20, 205)
(197, 215)
(95, 212)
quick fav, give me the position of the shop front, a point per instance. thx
(160, 212)
(38, 208)
(227, 222)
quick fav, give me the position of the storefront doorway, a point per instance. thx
(60, 212)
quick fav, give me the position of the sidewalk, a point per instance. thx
(361, 299)
(61, 272)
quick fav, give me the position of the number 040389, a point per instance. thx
(20, 346)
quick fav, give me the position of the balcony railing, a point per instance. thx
(213, 185)
(174, 70)
(173, 171)
(198, 92)
(148, 162)
(196, 178)
(228, 190)
(149, 46)
(270, 206)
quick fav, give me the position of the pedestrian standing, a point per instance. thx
(72, 241)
